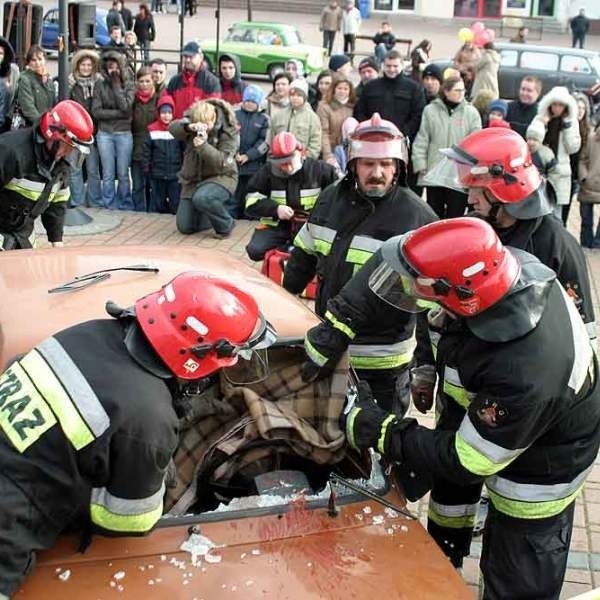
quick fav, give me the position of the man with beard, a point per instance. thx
(349, 223)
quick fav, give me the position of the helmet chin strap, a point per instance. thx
(492, 216)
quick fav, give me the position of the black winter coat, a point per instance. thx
(400, 100)
(253, 135)
(144, 29)
(519, 116)
(162, 153)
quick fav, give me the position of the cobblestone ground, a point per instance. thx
(131, 228)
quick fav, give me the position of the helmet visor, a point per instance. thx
(254, 369)
(449, 174)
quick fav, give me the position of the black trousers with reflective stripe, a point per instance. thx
(454, 542)
(23, 530)
(525, 558)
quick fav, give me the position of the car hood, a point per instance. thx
(299, 554)
(33, 313)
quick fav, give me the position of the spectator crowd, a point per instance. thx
(194, 145)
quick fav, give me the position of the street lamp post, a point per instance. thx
(63, 49)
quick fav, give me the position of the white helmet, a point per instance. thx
(377, 138)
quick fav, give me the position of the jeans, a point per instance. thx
(145, 48)
(380, 53)
(587, 237)
(93, 196)
(139, 183)
(328, 39)
(115, 150)
(205, 209)
(164, 195)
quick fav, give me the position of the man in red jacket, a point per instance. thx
(195, 82)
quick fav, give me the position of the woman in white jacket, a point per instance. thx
(557, 120)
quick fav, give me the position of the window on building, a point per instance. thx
(575, 64)
(406, 4)
(508, 58)
(539, 61)
(383, 5)
(546, 8)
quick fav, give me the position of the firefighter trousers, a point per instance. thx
(525, 558)
(23, 530)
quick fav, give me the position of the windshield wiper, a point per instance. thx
(83, 281)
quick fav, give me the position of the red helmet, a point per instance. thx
(198, 324)
(499, 161)
(459, 263)
(377, 138)
(284, 147)
(68, 122)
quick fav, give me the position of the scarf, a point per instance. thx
(144, 96)
(87, 85)
(449, 104)
(553, 133)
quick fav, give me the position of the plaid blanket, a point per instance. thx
(282, 415)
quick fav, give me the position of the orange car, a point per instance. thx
(264, 546)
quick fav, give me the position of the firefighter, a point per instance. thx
(518, 409)
(350, 222)
(86, 436)
(35, 164)
(285, 188)
(505, 188)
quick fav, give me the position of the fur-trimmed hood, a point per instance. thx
(77, 58)
(558, 94)
(225, 114)
(109, 55)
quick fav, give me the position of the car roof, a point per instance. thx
(262, 24)
(554, 49)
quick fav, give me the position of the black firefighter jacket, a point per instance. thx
(523, 381)
(344, 230)
(24, 172)
(87, 431)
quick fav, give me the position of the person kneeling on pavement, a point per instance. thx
(209, 172)
(287, 186)
(89, 452)
(515, 409)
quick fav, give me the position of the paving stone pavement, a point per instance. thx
(583, 573)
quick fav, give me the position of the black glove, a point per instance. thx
(310, 371)
(366, 424)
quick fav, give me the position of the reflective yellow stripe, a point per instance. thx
(531, 510)
(314, 354)
(269, 222)
(32, 190)
(339, 325)
(61, 196)
(474, 461)
(24, 415)
(308, 202)
(125, 523)
(350, 426)
(458, 393)
(380, 362)
(383, 431)
(358, 257)
(322, 246)
(253, 198)
(457, 522)
(51, 388)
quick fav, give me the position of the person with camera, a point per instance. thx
(209, 172)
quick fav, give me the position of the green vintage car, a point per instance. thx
(264, 48)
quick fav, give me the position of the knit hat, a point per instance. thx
(300, 86)
(432, 71)
(338, 60)
(499, 105)
(536, 131)
(191, 49)
(253, 94)
(165, 102)
(368, 62)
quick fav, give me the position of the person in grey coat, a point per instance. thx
(446, 121)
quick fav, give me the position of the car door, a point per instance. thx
(576, 72)
(241, 41)
(540, 64)
(509, 75)
(50, 30)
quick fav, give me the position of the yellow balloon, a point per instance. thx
(465, 35)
